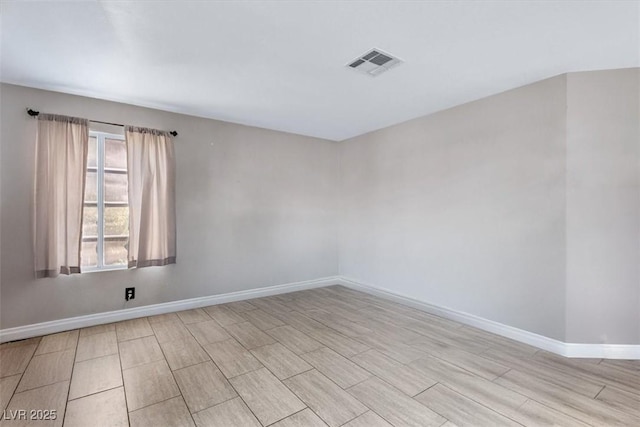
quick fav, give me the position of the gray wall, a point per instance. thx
(603, 207)
(465, 208)
(255, 208)
(523, 208)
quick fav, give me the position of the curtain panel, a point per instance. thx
(152, 207)
(61, 164)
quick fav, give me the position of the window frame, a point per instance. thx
(100, 203)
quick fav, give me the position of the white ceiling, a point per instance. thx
(281, 64)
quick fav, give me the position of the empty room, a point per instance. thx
(319, 213)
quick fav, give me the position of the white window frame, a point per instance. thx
(100, 203)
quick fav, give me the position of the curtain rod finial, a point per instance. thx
(32, 113)
(174, 133)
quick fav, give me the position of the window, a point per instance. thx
(105, 224)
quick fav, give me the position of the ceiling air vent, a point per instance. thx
(374, 62)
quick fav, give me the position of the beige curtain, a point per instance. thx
(61, 164)
(152, 211)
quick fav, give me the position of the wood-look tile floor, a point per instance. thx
(323, 357)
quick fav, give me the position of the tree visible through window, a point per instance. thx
(105, 223)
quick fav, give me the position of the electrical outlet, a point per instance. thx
(129, 293)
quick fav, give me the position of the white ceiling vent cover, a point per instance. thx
(374, 62)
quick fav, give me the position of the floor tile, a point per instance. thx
(294, 340)
(623, 379)
(159, 318)
(404, 378)
(7, 387)
(339, 343)
(480, 366)
(533, 413)
(267, 397)
(368, 419)
(506, 344)
(337, 368)
(282, 362)
(105, 409)
(241, 306)
(17, 343)
(270, 305)
(132, 329)
(481, 390)
(208, 332)
(301, 322)
(98, 329)
(193, 316)
(224, 315)
(459, 409)
(393, 405)
(338, 323)
(633, 365)
(232, 358)
(248, 335)
(334, 405)
(52, 398)
(148, 384)
(391, 331)
(139, 351)
(301, 304)
(96, 345)
(95, 375)
(396, 350)
(581, 385)
(456, 338)
(590, 411)
(262, 320)
(170, 331)
(183, 353)
(203, 386)
(620, 399)
(232, 413)
(304, 418)
(172, 412)
(47, 369)
(58, 342)
(14, 359)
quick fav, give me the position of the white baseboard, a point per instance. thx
(44, 328)
(603, 351)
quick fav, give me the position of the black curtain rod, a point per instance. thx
(34, 113)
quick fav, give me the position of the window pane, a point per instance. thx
(89, 254)
(90, 222)
(115, 252)
(92, 157)
(115, 187)
(116, 221)
(91, 187)
(115, 154)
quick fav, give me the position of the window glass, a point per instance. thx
(90, 221)
(115, 187)
(116, 221)
(91, 187)
(92, 156)
(89, 254)
(115, 153)
(105, 222)
(115, 252)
